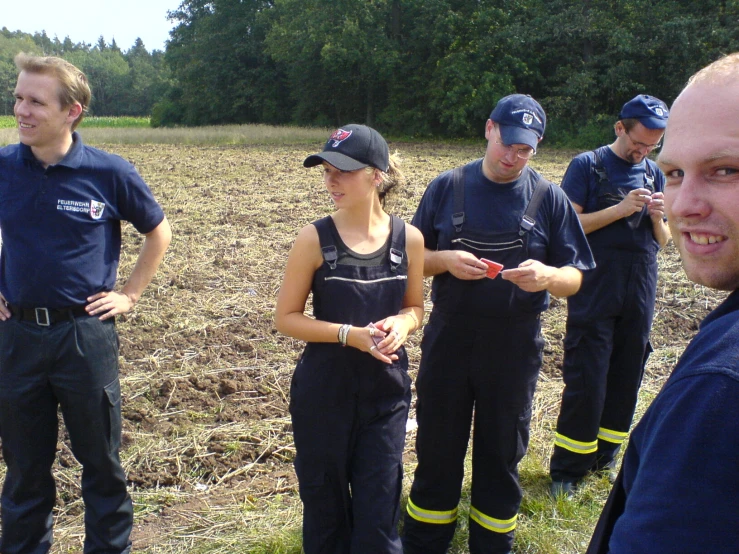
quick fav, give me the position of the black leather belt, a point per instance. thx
(47, 316)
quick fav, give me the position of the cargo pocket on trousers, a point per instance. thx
(572, 371)
(318, 493)
(113, 404)
(523, 422)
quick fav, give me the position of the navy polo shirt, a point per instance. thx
(680, 474)
(581, 185)
(557, 239)
(61, 226)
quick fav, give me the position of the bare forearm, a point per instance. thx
(597, 220)
(434, 262)
(306, 329)
(566, 281)
(152, 252)
(661, 231)
(414, 315)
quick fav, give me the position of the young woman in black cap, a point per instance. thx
(350, 393)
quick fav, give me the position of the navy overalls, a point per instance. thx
(607, 339)
(349, 410)
(482, 364)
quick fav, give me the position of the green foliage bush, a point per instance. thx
(593, 133)
(165, 113)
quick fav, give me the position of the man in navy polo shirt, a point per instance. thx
(678, 485)
(60, 217)
(618, 194)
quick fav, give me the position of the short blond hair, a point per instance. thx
(726, 68)
(73, 85)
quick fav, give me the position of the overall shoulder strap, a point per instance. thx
(598, 168)
(397, 243)
(458, 211)
(328, 248)
(528, 221)
(648, 176)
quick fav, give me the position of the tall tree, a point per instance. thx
(216, 54)
(339, 56)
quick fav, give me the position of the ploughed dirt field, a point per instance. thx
(207, 443)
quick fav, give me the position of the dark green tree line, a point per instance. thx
(436, 67)
(409, 67)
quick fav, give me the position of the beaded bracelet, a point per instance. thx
(414, 318)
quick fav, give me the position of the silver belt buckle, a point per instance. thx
(42, 317)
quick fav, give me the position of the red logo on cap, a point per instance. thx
(339, 136)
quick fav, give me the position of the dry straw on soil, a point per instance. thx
(207, 442)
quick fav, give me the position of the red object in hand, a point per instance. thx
(493, 268)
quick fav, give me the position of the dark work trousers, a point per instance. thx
(349, 413)
(72, 365)
(606, 348)
(487, 367)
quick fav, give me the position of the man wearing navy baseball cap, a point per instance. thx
(483, 340)
(618, 193)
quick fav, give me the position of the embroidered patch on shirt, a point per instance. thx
(94, 208)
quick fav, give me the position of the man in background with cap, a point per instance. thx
(482, 347)
(618, 193)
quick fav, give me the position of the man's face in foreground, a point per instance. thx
(700, 159)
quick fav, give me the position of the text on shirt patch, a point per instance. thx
(95, 209)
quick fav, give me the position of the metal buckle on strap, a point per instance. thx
(458, 221)
(42, 317)
(527, 223)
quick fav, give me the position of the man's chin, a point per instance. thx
(714, 279)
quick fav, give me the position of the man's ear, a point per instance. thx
(75, 110)
(488, 128)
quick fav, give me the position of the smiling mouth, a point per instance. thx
(25, 126)
(705, 239)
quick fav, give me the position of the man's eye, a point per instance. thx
(726, 171)
(675, 174)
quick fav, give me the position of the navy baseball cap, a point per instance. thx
(353, 147)
(650, 111)
(521, 120)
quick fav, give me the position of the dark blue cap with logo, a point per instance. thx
(650, 111)
(353, 147)
(520, 119)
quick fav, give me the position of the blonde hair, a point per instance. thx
(391, 178)
(73, 85)
(723, 69)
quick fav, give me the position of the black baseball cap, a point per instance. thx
(353, 147)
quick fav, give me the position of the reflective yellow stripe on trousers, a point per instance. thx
(616, 437)
(431, 516)
(492, 524)
(572, 445)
